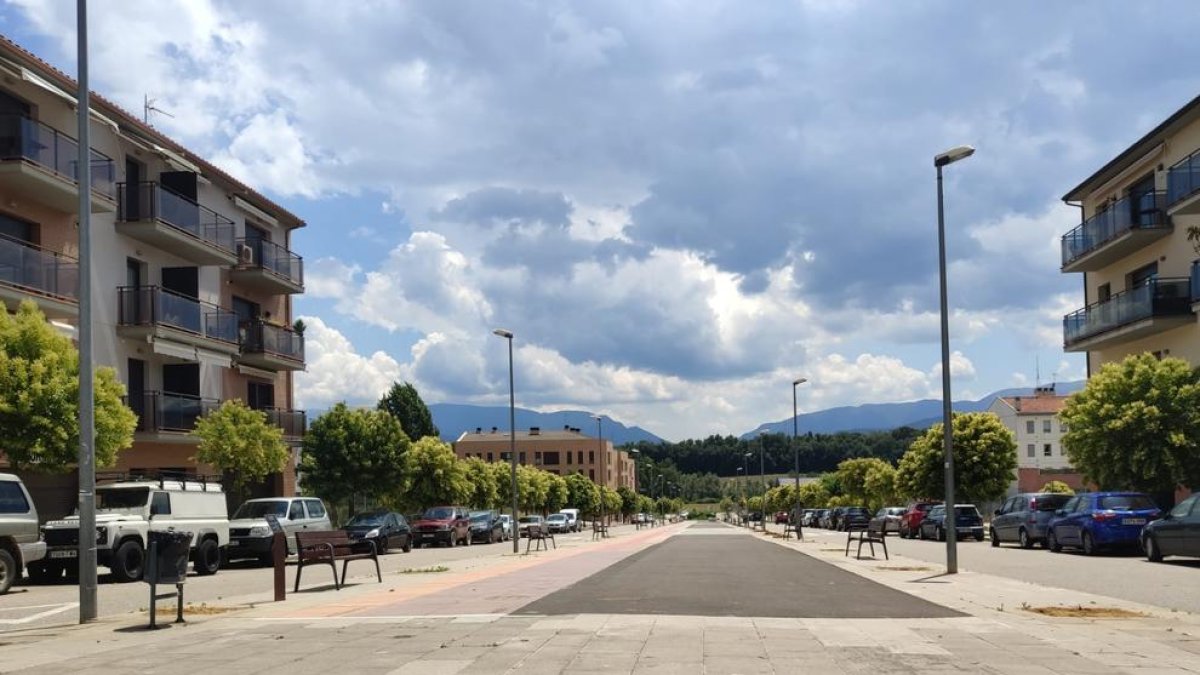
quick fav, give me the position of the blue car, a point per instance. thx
(1094, 520)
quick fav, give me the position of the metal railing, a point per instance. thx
(27, 139)
(31, 267)
(168, 411)
(1145, 212)
(275, 259)
(149, 200)
(1183, 179)
(153, 306)
(1157, 297)
(1195, 281)
(261, 337)
(293, 422)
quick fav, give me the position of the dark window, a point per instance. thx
(246, 311)
(489, 458)
(550, 458)
(260, 395)
(1141, 275)
(182, 183)
(1047, 450)
(17, 229)
(181, 378)
(12, 498)
(1029, 428)
(182, 280)
(1051, 502)
(592, 474)
(1127, 503)
(296, 512)
(521, 458)
(1103, 293)
(315, 508)
(591, 456)
(160, 504)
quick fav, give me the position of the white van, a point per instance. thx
(573, 522)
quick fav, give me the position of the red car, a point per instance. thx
(781, 517)
(449, 525)
(910, 522)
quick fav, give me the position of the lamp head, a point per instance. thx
(953, 155)
(799, 380)
(507, 334)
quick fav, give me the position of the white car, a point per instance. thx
(250, 534)
(506, 523)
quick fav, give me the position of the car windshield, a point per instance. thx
(529, 519)
(121, 499)
(480, 517)
(367, 519)
(895, 511)
(1051, 502)
(261, 509)
(1127, 503)
(557, 516)
(966, 511)
(438, 513)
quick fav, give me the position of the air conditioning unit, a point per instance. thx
(246, 254)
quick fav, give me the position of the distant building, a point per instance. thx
(561, 452)
(1034, 422)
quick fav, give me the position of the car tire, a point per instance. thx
(8, 567)
(979, 536)
(1023, 539)
(382, 545)
(1153, 552)
(1052, 542)
(941, 534)
(994, 537)
(407, 548)
(208, 558)
(451, 542)
(467, 539)
(1087, 543)
(128, 561)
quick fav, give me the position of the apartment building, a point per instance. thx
(1141, 281)
(1035, 425)
(193, 276)
(561, 452)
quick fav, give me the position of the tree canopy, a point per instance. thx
(436, 475)
(241, 442)
(355, 452)
(404, 403)
(39, 398)
(985, 460)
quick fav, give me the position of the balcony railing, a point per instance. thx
(148, 200)
(155, 306)
(293, 422)
(1183, 179)
(261, 337)
(167, 411)
(38, 270)
(1156, 297)
(27, 139)
(1145, 212)
(275, 259)
(1196, 281)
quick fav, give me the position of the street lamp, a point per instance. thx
(795, 433)
(603, 476)
(636, 453)
(512, 430)
(949, 157)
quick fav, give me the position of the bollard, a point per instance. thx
(278, 556)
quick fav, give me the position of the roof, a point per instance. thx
(1185, 115)
(544, 435)
(126, 120)
(1035, 405)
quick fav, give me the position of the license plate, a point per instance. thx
(68, 553)
(1133, 521)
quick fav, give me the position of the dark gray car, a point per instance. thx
(1022, 519)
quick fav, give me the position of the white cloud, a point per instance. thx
(336, 372)
(330, 278)
(961, 368)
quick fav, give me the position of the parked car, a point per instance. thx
(890, 517)
(449, 525)
(1093, 520)
(967, 522)
(507, 525)
(1176, 533)
(486, 527)
(835, 517)
(20, 541)
(781, 517)
(558, 523)
(1023, 518)
(910, 522)
(852, 517)
(575, 521)
(527, 523)
(384, 528)
(825, 520)
(250, 534)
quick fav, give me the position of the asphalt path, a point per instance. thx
(712, 569)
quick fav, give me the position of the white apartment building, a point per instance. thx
(1035, 425)
(192, 274)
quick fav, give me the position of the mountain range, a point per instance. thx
(453, 419)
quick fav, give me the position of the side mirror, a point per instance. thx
(1060, 512)
(996, 512)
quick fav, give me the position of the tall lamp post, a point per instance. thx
(949, 157)
(746, 466)
(741, 492)
(512, 432)
(603, 476)
(795, 447)
(88, 607)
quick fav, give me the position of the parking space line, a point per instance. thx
(40, 615)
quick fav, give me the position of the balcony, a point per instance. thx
(271, 347)
(293, 422)
(1183, 186)
(29, 272)
(149, 312)
(42, 164)
(268, 267)
(1156, 306)
(169, 415)
(160, 217)
(1125, 227)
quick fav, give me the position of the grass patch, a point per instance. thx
(834, 550)
(202, 609)
(905, 568)
(424, 570)
(1081, 612)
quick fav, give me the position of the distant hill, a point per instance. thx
(881, 416)
(453, 419)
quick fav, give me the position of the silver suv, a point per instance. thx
(19, 538)
(250, 534)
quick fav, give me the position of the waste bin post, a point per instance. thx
(152, 575)
(179, 603)
(278, 556)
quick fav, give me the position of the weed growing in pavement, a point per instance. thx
(1081, 612)
(203, 609)
(424, 570)
(905, 568)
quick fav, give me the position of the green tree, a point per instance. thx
(813, 495)
(1136, 425)
(1058, 487)
(985, 460)
(612, 501)
(404, 403)
(726, 505)
(241, 443)
(485, 488)
(355, 452)
(436, 474)
(629, 500)
(39, 398)
(583, 494)
(754, 503)
(502, 473)
(532, 487)
(880, 486)
(557, 493)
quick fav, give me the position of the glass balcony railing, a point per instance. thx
(167, 411)
(1183, 179)
(293, 422)
(145, 201)
(259, 337)
(276, 259)
(38, 270)
(1145, 212)
(27, 139)
(155, 306)
(1156, 297)
(1196, 281)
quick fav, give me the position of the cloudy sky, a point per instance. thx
(678, 207)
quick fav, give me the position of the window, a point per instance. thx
(489, 457)
(1047, 450)
(1071, 504)
(580, 453)
(1029, 426)
(592, 474)
(550, 458)
(12, 498)
(160, 504)
(1062, 426)
(296, 512)
(1045, 426)
(521, 458)
(1184, 507)
(1104, 293)
(315, 508)
(1030, 451)
(591, 456)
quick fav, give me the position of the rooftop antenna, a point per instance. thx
(1037, 368)
(148, 107)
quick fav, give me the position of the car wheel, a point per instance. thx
(979, 536)
(941, 534)
(382, 545)
(208, 558)
(451, 542)
(1153, 552)
(995, 539)
(8, 569)
(1023, 538)
(128, 561)
(407, 548)
(1052, 542)
(1088, 544)
(468, 539)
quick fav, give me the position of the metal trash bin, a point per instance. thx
(167, 562)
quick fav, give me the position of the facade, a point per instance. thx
(561, 452)
(192, 278)
(1034, 422)
(1140, 275)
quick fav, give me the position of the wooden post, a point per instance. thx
(278, 556)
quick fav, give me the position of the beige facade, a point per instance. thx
(1139, 269)
(1034, 423)
(192, 278)
(562, 452)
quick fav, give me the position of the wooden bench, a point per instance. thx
(328, 547)
(540, 535)
(873, 532)
(599, 530)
